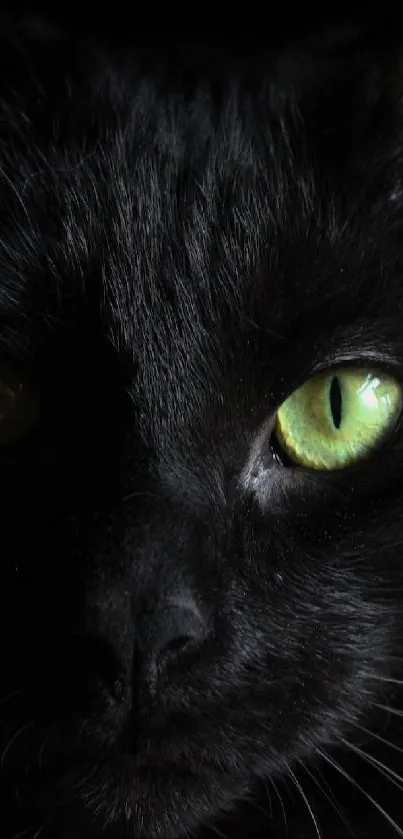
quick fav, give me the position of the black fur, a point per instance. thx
(185, 236)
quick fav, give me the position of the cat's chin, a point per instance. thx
(131, 801)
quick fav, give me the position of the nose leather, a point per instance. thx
(164, 635)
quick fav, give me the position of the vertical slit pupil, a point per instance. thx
(335, 401)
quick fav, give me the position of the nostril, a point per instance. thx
(177, 644)
(118, 690)
(92, 660)
(166, 636)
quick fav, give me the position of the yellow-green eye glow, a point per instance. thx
(338, 417)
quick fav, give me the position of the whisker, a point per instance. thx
(376, 736)
(5, 699)
(389, 709)
(269, 801)
(364, 792)
(43, 747)
(388, 679)
(217, 832)
(259, 807)
(330, 797)
(305, 800)
(13, 741)
(272, 782)
(392, 776)
(8, 181)
(17, 794)
(144, 493)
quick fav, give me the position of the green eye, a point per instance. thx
(338, 417)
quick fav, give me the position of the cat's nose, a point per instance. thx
(165, 636)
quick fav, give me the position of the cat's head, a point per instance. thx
(198, 588)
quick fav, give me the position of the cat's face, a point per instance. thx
(185, 610)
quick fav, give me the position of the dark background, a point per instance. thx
(266, 22)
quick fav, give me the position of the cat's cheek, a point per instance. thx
(273, 486)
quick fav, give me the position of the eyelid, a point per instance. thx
(368, 358)
(329, 364)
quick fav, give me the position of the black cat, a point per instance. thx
(201, 466)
